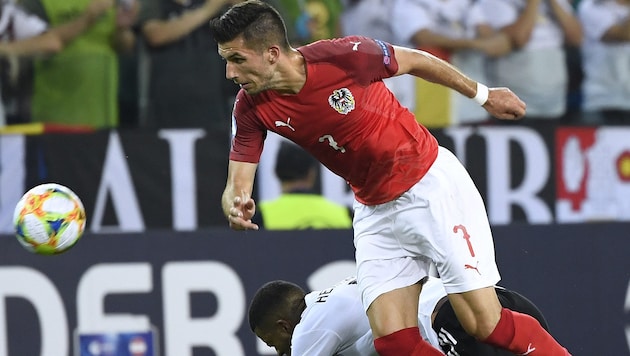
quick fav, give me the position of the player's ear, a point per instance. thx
(284, 326)
(273, 53)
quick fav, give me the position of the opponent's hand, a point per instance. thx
(241, 213)
(504, 104)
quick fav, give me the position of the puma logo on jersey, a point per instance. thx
(342, 101)
(467, 266)
(332, 143)
(530, 349)
(285, 124)
(356, 45)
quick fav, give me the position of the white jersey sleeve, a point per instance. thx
(16, 24)
(333, 323)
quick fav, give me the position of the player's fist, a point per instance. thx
(241, 213)
(504, 104)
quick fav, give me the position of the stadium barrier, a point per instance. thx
(186, 293)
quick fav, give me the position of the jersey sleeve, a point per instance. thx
(376, 59)
(248, 134)
(363, 58)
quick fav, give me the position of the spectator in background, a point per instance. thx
(186, 78)
(23, 35)
(310, 20)
(299, 206)
(372, 18)
(606, 60)
(536, 69)
(459, 31)
(79, 86)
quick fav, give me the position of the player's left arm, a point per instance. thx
(501, 103)
(238, 205)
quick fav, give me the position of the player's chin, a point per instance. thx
(250, 88)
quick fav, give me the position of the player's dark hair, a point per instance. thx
(260, 24)
(274, 301)
(293, 162)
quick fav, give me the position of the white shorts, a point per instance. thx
(440, 221)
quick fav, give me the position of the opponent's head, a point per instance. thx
(274, 312)
(251, 37)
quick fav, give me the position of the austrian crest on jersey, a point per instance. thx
(342, 101)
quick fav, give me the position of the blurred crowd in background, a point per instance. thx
(153, 63)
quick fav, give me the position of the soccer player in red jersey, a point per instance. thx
(415, 204)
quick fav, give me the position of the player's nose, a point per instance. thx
(230, 72)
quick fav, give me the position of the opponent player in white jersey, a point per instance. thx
(415, 204)
(332, 321)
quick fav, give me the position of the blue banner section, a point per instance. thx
(194, 287)
(117, 344)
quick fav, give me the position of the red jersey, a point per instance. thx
(345, 117)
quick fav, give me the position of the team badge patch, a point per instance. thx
(342, 101)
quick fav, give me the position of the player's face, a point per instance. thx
(250, 68)
(277, 338)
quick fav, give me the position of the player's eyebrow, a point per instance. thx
(233, 56)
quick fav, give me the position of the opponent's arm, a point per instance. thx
(238, 206)
(499, 102)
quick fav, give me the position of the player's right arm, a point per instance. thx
(499, 102)
(238, 206)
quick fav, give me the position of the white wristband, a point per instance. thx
(482, 94)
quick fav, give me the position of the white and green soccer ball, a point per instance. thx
(49, 219)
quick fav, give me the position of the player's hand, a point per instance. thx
(241, 213)
(504, 104)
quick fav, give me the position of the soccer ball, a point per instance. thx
(49, 219)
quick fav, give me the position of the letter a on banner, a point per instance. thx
(116, 181)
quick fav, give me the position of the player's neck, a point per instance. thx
(290, 75)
